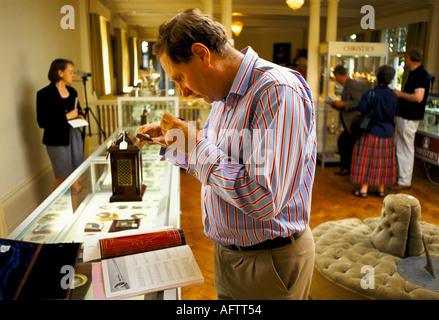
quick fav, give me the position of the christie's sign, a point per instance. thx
(427, 147)
(354, 48)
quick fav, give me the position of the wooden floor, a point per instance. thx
(332, 200)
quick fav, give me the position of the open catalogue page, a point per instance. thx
(143, 263)
(150, 271)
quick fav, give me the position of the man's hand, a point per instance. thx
(178, 134)
(154, 131)
(337, 104)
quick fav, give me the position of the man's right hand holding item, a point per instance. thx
(171, 132)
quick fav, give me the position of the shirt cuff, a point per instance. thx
(173, 156)
(202, 159)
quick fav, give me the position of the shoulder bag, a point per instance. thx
(361, 122)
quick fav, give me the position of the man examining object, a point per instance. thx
(411, 110)
(350, 96)
(255, 158)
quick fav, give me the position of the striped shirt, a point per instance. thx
(256, 160)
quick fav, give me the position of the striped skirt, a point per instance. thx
(373, 161)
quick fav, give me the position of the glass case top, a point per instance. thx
(81, 205)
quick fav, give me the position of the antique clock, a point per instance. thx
(126, 168)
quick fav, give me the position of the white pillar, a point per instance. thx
(331, 20)
(226, 16)
(208, 7)
(430, 56)
(313, 47)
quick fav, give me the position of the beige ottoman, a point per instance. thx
(349, 266)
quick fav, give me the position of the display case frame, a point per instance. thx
(95, 175)
(361, 56)
(427, 135)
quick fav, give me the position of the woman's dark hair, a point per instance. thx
(385, 74)
(57, 64)
(177, 36)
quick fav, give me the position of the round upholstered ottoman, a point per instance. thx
(348, 265)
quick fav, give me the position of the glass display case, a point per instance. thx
(81, 206)
(427, 136)
(361, 59)
(132, 109)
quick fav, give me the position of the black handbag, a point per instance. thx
(361, 122)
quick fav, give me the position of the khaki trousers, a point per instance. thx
(405, 148)
(277, 274)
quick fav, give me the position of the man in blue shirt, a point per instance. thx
(255, 158)
(411, 109)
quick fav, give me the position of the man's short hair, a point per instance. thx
(177, 35)
(385, 74)
(415, 54)
(340, 70)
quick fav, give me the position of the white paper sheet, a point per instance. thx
(76, 123)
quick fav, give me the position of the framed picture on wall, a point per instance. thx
(281, 53)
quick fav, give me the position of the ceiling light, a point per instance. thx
(295, 4)
(237, 27)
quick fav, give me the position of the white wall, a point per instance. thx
(30, 38)
(262, 40)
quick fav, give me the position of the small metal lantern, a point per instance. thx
(126, 168)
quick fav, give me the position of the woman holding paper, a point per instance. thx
(56, 105)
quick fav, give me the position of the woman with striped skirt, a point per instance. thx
(373, 159)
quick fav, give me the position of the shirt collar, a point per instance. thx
(242, 78)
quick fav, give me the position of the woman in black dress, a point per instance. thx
(56, 105)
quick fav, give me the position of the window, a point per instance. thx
(396, 38)
(105, 55)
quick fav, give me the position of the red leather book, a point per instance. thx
(113, 247)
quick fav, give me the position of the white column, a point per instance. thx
(226, 16)
(430, 61)
(331, 21)
(313, 47)
(208, 7)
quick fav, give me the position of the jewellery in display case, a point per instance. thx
(139, 215)
(37, 238)
(44, 228)
(93, 227)
(107, 216)
(48, 217)
(127, 224)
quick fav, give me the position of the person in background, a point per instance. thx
(56, 104)
(301, 66)
(350, 96)
(255, 158)
(412, 103)
(373, 160)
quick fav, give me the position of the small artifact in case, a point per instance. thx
(93, 227)
(43, 228)
(120, 225)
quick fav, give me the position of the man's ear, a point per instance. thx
(201, 52)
